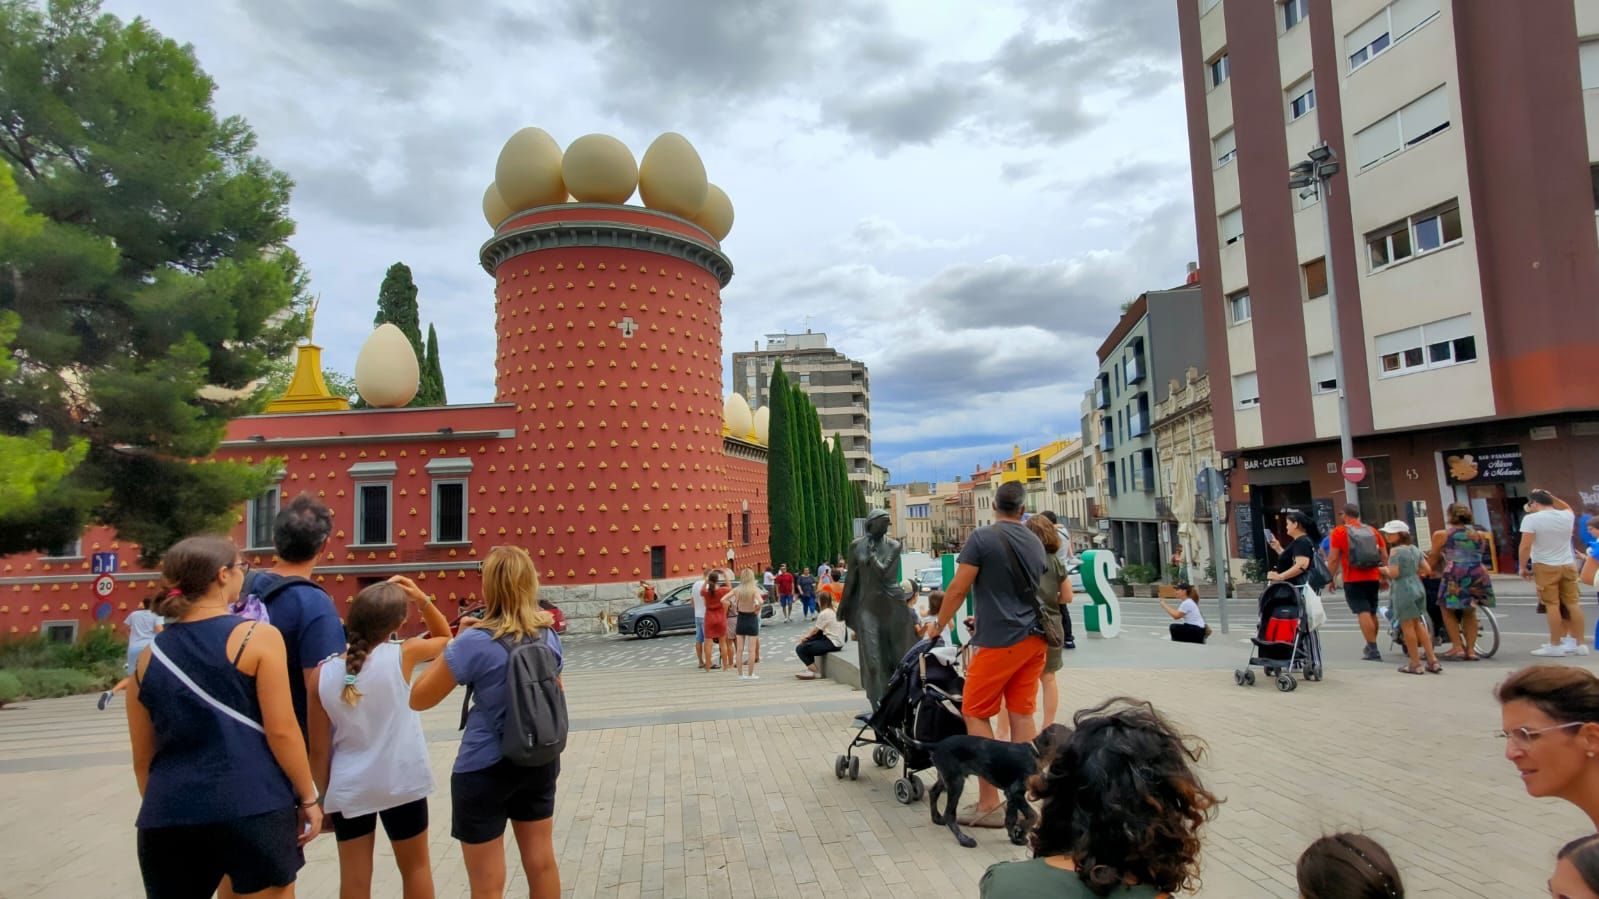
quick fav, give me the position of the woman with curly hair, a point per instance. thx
(1122, 808)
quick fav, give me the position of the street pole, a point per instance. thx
(1346, 445)
(1216, 489)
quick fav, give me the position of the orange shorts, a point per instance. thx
(1010, 673)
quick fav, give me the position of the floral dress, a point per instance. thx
(1464, 579)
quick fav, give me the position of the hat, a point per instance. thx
(1395, 527)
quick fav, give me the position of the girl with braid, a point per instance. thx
(374, 762)
(1348, 866)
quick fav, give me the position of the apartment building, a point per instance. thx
(876, 489)
(1069, 488)
(1462, 246)
(839, 387)
(983, 480)
(1158, 336)
(1185, 443)
(1095, 527)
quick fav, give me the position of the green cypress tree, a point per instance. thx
(782, 515)
(845, 495)
(397, 305)
(807, 473)
(431, 390)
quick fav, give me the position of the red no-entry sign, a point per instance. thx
(1354, 471)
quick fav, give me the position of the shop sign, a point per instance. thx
(1484, 465)
(1273, 462)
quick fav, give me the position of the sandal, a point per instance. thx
(1473, 658)
(1407, 669)
(1452, 656)
(1435, 668)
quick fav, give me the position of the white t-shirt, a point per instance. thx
(769, 578)
(831, 627)
(1190, 610)
(1551, 531)
(699, 600)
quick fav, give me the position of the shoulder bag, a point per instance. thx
(1052, 631)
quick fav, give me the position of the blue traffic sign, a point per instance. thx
(104, 563)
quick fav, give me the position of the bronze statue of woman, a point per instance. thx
(874, 606)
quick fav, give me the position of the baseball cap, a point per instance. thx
(1395, 527)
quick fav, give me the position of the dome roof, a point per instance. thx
(736, 418)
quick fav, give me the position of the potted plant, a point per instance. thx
(1142, 574)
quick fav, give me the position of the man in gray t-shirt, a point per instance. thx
(1010, 648)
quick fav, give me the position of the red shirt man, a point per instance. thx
(1360, 584)
(785, 583)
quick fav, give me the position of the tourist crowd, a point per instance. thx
(259, 720)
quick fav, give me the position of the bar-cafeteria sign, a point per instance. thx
(1484, 465)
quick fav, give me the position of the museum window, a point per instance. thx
(259, 515)
(744, 526)
(372, 514)
(71, 549)
(449, 511)
(657, 562)
(59, 632)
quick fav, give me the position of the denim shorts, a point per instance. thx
(699, 629)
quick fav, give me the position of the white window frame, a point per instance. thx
(1218, 70)
(250, 512)
(1239, 400)
(1302, 90)
(72, 549)
(438, 509)
(1446, 332)
(1387, 37)
(1407, 227)
(1318, 384)
(46, 626)
(373, 474)
(1296, 10)
(1232, 307)
(1408, 136)
(1222, 160)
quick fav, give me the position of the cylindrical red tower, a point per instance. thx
(608, 323)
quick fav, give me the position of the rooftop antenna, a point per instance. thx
(807, 324)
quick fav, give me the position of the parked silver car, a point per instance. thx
(672, 612)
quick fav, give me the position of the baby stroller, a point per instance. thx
(1284, 641)
(920, 707)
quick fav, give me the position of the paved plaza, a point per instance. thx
(683, 783)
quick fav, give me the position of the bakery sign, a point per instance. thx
(1484, 465)
(1273, 462)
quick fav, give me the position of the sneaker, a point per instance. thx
(806, 675)
(1372, 653)
(1069, 644)
(1569, 642)
(1580, 649)
(104, 699)
(1551, 651)
(755, 677)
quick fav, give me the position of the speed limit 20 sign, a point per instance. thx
(104, 584)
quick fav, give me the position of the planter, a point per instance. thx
(1154, 591)
(1125, 591)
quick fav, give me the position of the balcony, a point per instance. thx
(1137, 424)
(1102, 397)
(1163, 508)
(1059, 487)
(1136, 369)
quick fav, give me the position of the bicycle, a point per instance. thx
(1487, 631)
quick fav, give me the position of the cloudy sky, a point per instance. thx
(961, 195)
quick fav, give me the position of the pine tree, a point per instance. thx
(782, 514)
(431, 390)
(154, 263)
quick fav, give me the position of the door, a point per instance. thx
(1491, 508)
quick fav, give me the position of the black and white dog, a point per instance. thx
(1007, 766)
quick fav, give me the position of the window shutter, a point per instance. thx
(1398, 341)
(1449, 329)
(1377, 141)
(1366, 33)
(1321, 369)
(1232, 225)
(1225, 143)
(1588, 54)
(1410, 14)
(1425, 114)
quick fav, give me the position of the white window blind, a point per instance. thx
(1232, 226)
(1373, 28)
(1225, 147)
(1246, 390)
(1398, 341)
(1377, 141)
(1411, 14)
(1424, 115)
(1588, 55)
(1323, 376)
(1449, 329)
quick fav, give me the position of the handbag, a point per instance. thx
(1054, 633)
(1314, 610)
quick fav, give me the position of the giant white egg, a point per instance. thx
(671, 176)
(736, 416)
(386, 371)
(494, 208)
(763, 423)
(598, 168)
(716, 213)
(528, 172)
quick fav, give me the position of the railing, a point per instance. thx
(1101, 398)
(1163, 508)
(1135, 369)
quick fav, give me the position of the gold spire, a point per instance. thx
(307, 392)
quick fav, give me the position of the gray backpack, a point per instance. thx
(1363, 552)
(535, 705)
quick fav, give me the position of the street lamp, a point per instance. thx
(1313, 176)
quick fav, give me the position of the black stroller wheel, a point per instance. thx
(890, 756)
(877, 756)
(1249, 678)
(904, 791)
(918, 790)
(1286, 683)
(854, 768)
(1238, 676)
(841, 767)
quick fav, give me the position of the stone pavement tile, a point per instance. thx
(748, 806)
